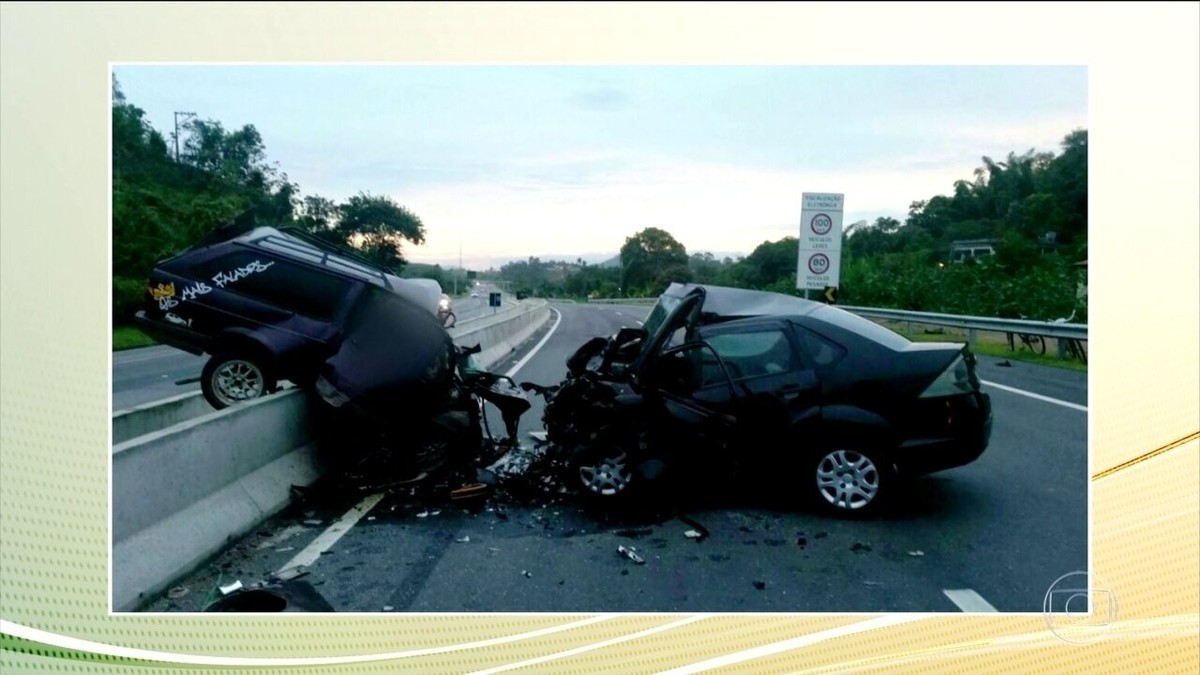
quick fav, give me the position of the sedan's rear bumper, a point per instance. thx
(927, 455)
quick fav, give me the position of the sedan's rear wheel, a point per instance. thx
(850, 481)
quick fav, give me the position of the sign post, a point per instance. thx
(820, 261)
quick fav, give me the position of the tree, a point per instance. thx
(378, 226)
(319, 216)
(644, 258)
(706, 269)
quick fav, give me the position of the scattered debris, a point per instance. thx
(177, 592)
(873, 583)
(916, 553)
(631, 553)
(802, 541)
(760, 585)
(313, 521)
(539, 436)
(272, 596)
(388, 608)
(285, 549)
(1004, 364)
(291, 573)
(470, 491)
(465, 539)
(235, 586)
(701, 532)
(526, 574)
(370, 517)
(859, 547)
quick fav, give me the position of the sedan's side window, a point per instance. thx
(752, 354)
(824, 352)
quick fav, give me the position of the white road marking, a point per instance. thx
(330, 536)
(968, 600)
(1030, 394)
(513, 371)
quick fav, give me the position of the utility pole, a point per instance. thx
(459, 268)
(185, 116)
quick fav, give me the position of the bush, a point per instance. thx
(127, 299)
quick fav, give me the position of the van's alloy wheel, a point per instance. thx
(228, 380)
(848, 480)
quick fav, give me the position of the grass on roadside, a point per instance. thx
(988, 344)
(128, 337)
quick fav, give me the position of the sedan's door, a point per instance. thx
(777, 394)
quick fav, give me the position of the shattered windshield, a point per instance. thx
(665, 305)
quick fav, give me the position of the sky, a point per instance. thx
(505, 162)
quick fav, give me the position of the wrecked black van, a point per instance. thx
(269, 304)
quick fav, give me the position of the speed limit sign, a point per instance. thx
(818, 263)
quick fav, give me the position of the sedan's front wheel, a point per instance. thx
(851, 481)
(602, 475)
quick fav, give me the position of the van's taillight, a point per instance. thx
(954, 380)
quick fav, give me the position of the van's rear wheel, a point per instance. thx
(228, 379)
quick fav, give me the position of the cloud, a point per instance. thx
(704, 206)
(603, 99)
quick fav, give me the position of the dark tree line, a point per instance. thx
(1032, 206)
(161, 204)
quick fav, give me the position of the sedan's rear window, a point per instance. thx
(864, 327)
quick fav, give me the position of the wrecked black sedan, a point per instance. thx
(725, 383)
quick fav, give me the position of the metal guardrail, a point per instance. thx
(622, 301)
(1054, 329)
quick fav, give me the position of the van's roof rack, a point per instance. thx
(302, 245)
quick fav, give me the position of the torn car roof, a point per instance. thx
(736, 303)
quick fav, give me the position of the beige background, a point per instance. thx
(1143, 65)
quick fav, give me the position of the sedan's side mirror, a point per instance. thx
(627, 344)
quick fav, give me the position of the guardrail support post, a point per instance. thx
(972, 336)
(1062, 349)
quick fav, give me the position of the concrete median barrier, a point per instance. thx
(188, 480)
